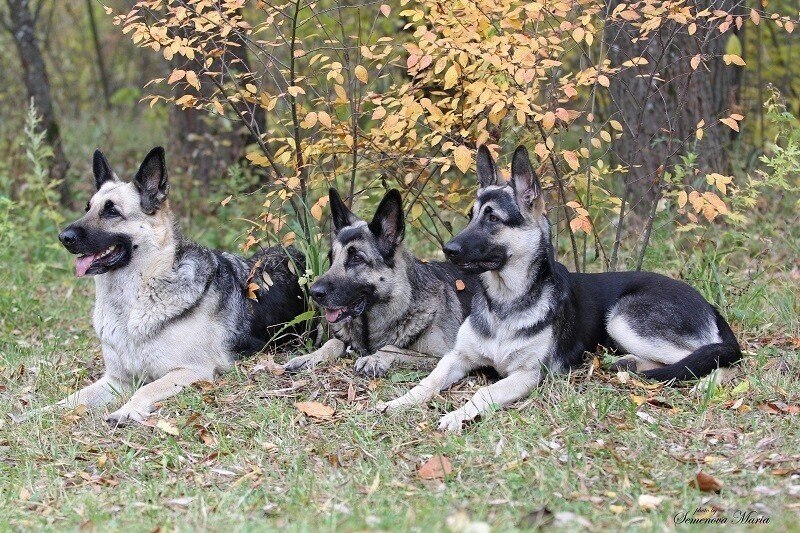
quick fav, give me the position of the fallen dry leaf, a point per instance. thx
(437, 467)
(167, 427)
(315, 409)
(648, 502)
(706, 483)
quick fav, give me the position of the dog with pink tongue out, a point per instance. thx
(169, 312)
(379, 300)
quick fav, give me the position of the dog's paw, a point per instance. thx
(372, 366)
(453, 422)
(127, 415)
(301, 362)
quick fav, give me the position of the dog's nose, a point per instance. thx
(319, 290)
(68, 236)
(452, 250)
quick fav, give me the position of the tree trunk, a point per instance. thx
(660, 104)
(101, 64)
(22, 28)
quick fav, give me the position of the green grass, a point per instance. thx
(244, 458)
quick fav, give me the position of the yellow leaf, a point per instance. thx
(177, 75)
(615, 124)
(755, 17)
(602, 79)
(385, 10)
(191, 79)
(695, 61)
(463, 158)
(361, 74)
(789, 26)
(295, 91)
(733, 58)
(251, 88)
(682, 199)
(732, 124)
(324, 119)
(167, 427)
(572, 159)
(315, 409)
(548, 120)
(451, 77)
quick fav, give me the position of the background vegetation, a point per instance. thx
(667, 137)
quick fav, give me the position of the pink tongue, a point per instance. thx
(82, 264)
(332, 315)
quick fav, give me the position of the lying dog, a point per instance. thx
(533, 315)
(168, 312)
(380, 300)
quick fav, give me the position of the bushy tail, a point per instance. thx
(704, 360)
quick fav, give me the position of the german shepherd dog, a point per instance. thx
(533, 315)
(168, 312)
(381, 301)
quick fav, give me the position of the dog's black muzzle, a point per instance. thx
(98, 251)
(474, 254)
(341, 300)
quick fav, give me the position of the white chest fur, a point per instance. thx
(139, 344)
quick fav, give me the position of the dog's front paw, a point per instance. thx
(453, 422)
(128, 414)
(372, 366)
(301, 362)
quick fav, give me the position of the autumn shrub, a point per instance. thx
(625, 105)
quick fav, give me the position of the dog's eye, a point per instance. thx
(110, 211)
(494, 218)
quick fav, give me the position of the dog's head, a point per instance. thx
(508, 219)
(362, 258)
(123, 219)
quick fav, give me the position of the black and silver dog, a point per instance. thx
(380, 300)
(534, 316)
(168, 312)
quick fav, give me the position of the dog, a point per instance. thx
(381, 301)
(169, 312)
(533, 316)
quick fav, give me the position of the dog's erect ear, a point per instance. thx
(388, 224)
(151, 180)
(525, 182)
(487, 172)
(341, 215)
(102, 170)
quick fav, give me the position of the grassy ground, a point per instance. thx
(587, 450)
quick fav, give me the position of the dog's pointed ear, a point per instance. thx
(151, 180)
(525, 182)
(487, 172)
(102, 170)
(341, 215)
(388, 224)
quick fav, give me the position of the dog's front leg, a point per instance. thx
(452, 367)
(330, 351)
(142, 403)
(377, 364)
(502, 393)
(101, 392)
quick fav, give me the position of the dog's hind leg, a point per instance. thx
(330, 351)
(632, 363)
(377, 364)
(142, 403)
(452, 367)
(509, 389)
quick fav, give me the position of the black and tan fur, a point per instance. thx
(381, 301)
(168, 312)
(534, 317)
